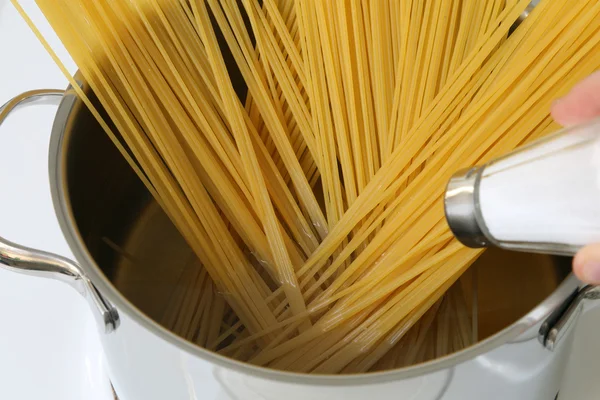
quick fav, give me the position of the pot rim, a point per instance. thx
(71, 104)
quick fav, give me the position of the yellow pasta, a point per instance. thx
(301, 147)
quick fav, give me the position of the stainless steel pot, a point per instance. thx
(122, 241)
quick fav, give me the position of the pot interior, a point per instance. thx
(142, 254)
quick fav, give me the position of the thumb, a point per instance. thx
(586, 264)
(581, 104)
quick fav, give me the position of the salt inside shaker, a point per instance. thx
(541, 198)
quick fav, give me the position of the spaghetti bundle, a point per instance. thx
(301, 147)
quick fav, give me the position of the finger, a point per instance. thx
(586, 264)
(581, 104)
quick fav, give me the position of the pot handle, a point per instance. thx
(28, 261)
(557, 325)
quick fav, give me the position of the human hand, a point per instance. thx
(581, 105)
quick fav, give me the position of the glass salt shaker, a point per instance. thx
(541, 198)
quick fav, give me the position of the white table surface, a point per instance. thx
(48, 343)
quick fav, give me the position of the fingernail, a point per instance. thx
(557, 102)
(591, 271)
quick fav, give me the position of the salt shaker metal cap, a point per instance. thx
(461, 206)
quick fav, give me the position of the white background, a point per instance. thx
(48, 342)
(49, 348)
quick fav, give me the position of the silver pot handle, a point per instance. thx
(28, 261)
(558, 324)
